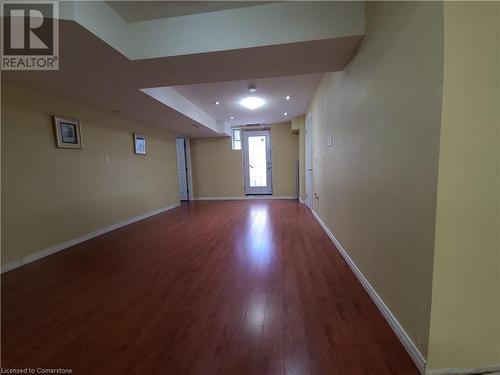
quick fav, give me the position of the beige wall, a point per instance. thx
(377, 185)
(465, 320)
(285, 150)
(218, 170)
(300, 124)
(51, 195)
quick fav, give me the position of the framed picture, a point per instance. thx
(68, 132)
(140, 144)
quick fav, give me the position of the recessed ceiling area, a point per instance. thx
(273, 91)
(101, 66)
(263, 24)
(136, 11)
(92, 72)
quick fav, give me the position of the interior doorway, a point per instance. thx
(309, 158)
(257, 162)
(182, 169)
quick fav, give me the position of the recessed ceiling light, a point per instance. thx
(287, 97)
(252, 102)
(217, 102)
(286, 113)
(232, 117)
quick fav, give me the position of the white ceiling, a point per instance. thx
(301, 88)
(277, 23)
(92, 72)
(197, 59)
(136, 11)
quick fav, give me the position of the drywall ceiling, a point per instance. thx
(104, 62)
(136, 11)
(256, 26)
(92, 72)
(300, 88)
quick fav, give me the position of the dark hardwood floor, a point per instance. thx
(236, 287)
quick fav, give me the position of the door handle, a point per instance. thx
(309, 169)
(250, 165)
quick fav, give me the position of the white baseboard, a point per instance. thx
(409, 345)
(245, 197)
(11, 265)
(62, 246)
(490, 370)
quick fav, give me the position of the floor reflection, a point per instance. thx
(255, 232)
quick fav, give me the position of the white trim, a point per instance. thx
(409, 345)
(65, 245)
(309, 157)
(303, 201)
(247, 197)
(268, 188)
(11, 265)
(491, 370)
(190, 168)
(182, 168)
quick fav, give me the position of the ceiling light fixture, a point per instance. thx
(252, 88)
(287, 97)
(232, 117)
(252, 102)
(217, 102)
(286, 113)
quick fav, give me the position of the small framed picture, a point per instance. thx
(140, 144)
(68, 132)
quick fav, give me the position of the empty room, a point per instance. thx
(250, 187)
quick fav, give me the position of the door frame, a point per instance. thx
(187, 150)
(309, 161)
(267, 190)
(180, 142)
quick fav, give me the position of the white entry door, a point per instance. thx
(257, 162)
(309, 163)
(182, 169)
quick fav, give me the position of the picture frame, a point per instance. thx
(140, 144)
(68, 132)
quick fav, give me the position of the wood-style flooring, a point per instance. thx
(234, 287)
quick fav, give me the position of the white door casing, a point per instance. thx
(182, 169)
(309, 163)
(257, 162)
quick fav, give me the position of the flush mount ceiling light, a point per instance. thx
(252, 102)
(217, 102)
(286, 113)
(287, 97)
(252, 88)
(232, 117)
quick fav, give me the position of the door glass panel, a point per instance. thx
(257, 162)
